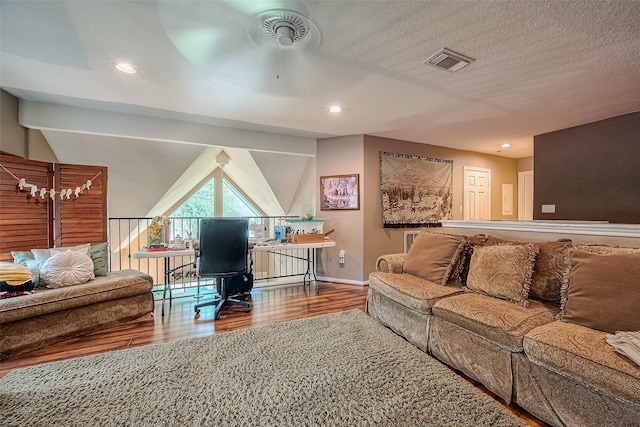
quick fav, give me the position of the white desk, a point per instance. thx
(167, 255)
(310, 258)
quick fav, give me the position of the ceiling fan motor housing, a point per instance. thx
(285, 26)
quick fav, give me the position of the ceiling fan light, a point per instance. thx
(285, 35)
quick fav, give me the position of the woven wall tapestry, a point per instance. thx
(415, 191)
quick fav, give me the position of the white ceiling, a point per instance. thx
(539, 65)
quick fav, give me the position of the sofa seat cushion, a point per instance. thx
(583, 354)
(499, 321)
(115, 285)
(413, 292)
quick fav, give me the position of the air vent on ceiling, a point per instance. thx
(448, 60)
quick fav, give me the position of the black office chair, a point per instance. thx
(223, 254)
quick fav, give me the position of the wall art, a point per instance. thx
(415, 191)
(340, 192)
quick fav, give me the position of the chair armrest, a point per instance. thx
(391, 263)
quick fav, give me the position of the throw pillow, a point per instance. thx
(551, 270)
(15, 277)
(502, 271)
(27, 259)
(100, 256)
(41, 255)
(21, 257)
(66, 268)
(474, 241)
(433, 256)
(606, 249)
(603, 292)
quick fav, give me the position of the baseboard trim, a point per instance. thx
(345, 281)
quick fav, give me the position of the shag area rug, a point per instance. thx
(341, 369)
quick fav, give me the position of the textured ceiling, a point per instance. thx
(539, 65)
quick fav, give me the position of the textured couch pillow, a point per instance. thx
(603, 292)
(551, 270)
(474, 241)
(502, 271)
(606, 249)
(433, 256)
(41, 255)
(100, 256)
(66, 268)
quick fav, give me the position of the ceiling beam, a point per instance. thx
(46, 116)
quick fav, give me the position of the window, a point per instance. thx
(233, 204)
(201, 203)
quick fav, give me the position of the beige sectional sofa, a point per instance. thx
(48, 316)
(526, 319)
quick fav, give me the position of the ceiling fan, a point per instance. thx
(266, 51)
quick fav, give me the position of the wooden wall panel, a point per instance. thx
(81, 219)
(25, 221)
(32, 222)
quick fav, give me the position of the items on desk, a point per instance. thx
(306, 231)
(159, 249)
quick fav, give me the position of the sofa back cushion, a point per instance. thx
(551, 269)
(603, 292)
(436, 256)
(502, 271)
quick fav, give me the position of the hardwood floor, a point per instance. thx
(268, 306)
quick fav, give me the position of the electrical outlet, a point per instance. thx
(548, 208)
(341, 257)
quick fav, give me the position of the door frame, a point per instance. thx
(465, 187)
(524, 191)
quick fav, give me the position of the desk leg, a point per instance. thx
(311, 270)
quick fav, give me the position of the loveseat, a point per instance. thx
(49, 315)
(528, 320)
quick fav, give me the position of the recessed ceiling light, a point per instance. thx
(125, 68)
(505, 145)
(335, 109)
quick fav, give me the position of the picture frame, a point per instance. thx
(340, 192)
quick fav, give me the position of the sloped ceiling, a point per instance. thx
(283, 172)
(136, 180)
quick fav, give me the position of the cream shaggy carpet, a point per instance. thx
(339, 369)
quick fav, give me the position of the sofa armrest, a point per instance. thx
(391, 263)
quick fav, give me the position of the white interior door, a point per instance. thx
(477, 193)
(525, 195)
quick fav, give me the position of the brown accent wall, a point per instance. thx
(590, 172)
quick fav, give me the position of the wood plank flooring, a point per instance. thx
(268, 306)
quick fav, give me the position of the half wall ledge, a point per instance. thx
(559, 228)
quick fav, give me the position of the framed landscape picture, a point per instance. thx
(415, 191)
(340, 192)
